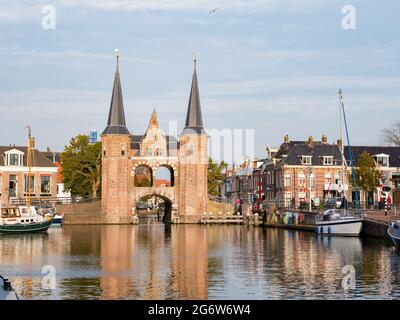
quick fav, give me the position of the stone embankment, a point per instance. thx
(91, 212)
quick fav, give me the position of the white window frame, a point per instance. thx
(328, 161)
(308, 162)
(382, 157)
(20, 156)
(287, 176)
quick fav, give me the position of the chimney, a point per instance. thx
(310, 140)
(324, 139)
(286, 139)
(339, 143)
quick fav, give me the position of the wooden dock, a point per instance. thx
(222, 219)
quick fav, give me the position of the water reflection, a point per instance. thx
(197, 262)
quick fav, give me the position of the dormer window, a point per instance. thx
(328, 161)
(382, 160)
(14, 158)
(306, 160)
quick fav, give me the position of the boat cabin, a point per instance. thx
(10, 213)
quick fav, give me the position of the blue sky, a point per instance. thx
(269, 65)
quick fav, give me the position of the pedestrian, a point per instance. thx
(293, 203)
(389, 202)
(344, 203)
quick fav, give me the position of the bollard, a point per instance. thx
(385, 206)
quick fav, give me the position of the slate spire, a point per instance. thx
(116, 117)
(194, 120)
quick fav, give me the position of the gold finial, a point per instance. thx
(194, 59)
(117, 56)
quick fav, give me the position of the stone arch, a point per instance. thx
(169, 204)
(170, 177)
(143, 175)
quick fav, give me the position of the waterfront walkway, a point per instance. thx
(380, 215)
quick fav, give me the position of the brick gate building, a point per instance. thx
(126, 156)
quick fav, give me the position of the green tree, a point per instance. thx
(216, 176)
(81, 163)
(367, 175)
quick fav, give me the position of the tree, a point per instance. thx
(391, 134)
(366, 173)
(81, 163)
(216, 176)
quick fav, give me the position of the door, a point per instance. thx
(13, 185)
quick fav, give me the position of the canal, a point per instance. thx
(195, 262)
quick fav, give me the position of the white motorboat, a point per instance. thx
(394, 232)
(6, 291)
(339, 222)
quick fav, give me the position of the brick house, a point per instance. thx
(387, 160)
(300, 170)
(307, 171)
(297, 172)
(14, 175)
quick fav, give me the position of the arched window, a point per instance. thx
(143, 176)
(164, 177)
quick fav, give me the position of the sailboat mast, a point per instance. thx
(29, 166)
(341, 138)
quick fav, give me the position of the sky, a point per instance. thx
(272, 66)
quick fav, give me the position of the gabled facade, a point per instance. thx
(14, 173)
(387, 160)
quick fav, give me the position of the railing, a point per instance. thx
(43, 201)
(222, 218)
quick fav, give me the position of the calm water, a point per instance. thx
(197, 262)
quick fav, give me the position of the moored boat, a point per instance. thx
(394, 232)
(23, 219)
(58, 220)
(339, 222)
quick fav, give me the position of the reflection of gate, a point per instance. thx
(396, 197)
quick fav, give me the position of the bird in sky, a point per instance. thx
(213, 10)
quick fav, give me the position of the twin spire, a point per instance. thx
(116, 118)
(194, 120)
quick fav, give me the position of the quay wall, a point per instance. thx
(374, 228)
(82, 213)
(91, 213)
